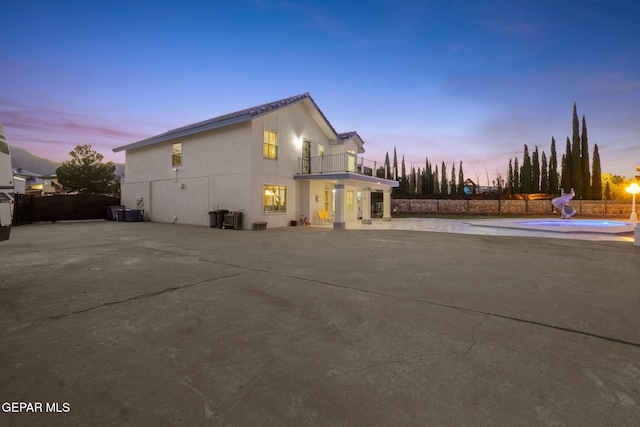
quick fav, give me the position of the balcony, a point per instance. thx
(340, 163)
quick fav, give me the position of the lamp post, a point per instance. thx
(633, 189)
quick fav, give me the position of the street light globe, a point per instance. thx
(633, 189)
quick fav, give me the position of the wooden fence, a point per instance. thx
(30, 209)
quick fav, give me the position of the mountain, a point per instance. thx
(21, 158)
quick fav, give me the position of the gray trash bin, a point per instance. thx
(213, 219)
(220, 217)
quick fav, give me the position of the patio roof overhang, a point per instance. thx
(349, 178)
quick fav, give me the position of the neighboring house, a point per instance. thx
(276, 162)
(34, 183)
(51, 181)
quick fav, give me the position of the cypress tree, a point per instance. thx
(428, 184)
(412, 181)
(404, 187)
(525, 175)
(419, 181)
(535, 171)
(554, 183)
(387, 167)
(596, 180)
(460, 179)
(576, 161)
(452, 183)
(516, 177)
(563, 175)
(436, 182)
(433, 175)
(424, 176)
(510, 178)
(444, 185)
(607, 191)
(567, 174)
(544, 175)
(584, 149)
(395, 165)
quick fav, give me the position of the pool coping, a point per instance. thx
(517, 224)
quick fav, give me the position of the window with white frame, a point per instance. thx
(351, 200)
(270, 145)
(275, 198)
(176, 154)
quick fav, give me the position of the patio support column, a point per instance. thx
(338, 220)
(386, 205)
(366, 205)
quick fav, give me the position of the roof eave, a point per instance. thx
(184, 133)
(320, 119)
(250, 114)
(347, 176)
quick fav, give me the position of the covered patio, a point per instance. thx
(363, 183)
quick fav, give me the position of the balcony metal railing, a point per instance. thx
(345, 162)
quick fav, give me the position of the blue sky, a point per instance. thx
(469, 81)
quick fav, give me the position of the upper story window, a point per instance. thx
(176, 154)
(270, 145)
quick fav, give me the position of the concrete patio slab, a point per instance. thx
(147, 324)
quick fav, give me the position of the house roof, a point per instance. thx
(238, 117)
(352, 135)
(25, 173)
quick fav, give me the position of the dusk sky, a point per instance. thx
(469, 81)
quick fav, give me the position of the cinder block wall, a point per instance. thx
(586, 207)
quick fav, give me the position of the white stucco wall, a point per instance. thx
(293, 125)
(225, 169)
(214, 173)
(313, 201)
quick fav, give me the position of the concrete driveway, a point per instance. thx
(107, 323)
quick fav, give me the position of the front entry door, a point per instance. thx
(306, 157)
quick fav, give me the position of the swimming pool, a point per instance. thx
(575, 223)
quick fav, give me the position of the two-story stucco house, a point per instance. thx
(276, 162)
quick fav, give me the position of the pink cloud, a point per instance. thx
(54, 133)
